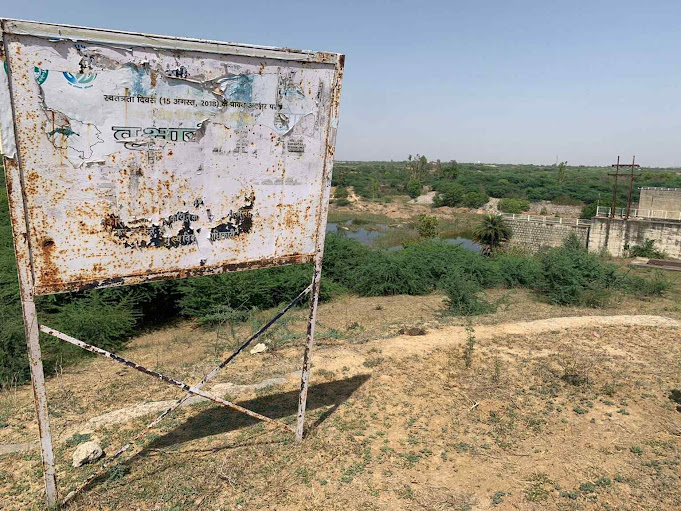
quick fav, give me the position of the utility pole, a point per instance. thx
(616, 175)
(631, 177)
(631, 184)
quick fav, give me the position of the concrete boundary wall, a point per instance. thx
(615, 235)
(535, 234)
(668, 199)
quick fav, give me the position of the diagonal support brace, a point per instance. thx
(181, 401)
(162, 377)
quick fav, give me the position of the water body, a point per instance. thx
(367, 235)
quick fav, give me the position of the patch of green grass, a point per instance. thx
(638, 451)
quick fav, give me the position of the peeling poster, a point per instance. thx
(143, 162)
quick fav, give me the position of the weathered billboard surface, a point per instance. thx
(145, 157)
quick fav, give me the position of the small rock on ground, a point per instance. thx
(259, 348)
(87, 452)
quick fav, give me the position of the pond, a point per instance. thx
(369, 233)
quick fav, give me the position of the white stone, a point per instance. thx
(87, 452)
(259, 348)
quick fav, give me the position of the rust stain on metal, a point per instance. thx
(230, 147)
(139, 158)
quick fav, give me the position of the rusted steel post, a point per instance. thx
(614, 188)
(35, 361)
(305, 373)
(40, 399)
(181, 401)
(319, 244)
(631, 186)
(162, 377)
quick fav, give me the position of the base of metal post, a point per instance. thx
(305, 373)
(40, 398)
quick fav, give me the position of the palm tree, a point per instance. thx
(492, 232)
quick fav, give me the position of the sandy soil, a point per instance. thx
(554, 413)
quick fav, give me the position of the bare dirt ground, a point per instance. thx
(558, 409)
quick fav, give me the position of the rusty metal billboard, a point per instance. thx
(134, 157)
(146, 157)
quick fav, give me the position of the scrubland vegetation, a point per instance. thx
(107, 318)
(455, 182)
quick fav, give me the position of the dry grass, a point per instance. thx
(559, 420)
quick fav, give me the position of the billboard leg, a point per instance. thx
(40, 399)
(305, 373)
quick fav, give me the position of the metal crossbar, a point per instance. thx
(160, 376)
(182, 400)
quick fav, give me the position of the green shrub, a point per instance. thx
(519, 271)
(384, 273)
(475, 200)
(646, 250)
(657, 285)
(450, 194)
(261, 289)
(566, 200)
(516, 206)
(573, 276)
(427, 226)
(414, 188)
(462, 294)
(340, 193)
(589, 210)
(105, 322)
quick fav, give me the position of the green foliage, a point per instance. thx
(533, 182)
(516, 206)
(463, 294)
(589, 210)
(246, 290)
(519, 271)
(562, 171)
(475, 200)
(646, 250)
(566, 200)
(573, 276)
(340, 193)
(492, 231)
(414, 188)
(427, 226)
(451, 171)
(450, 194)
(99, 320)
(657, 285)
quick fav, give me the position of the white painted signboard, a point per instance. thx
(147, 157)
(132, 157)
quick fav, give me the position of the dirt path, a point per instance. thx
(406, 346)
(352, 359)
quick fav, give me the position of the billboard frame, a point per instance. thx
(14, 173)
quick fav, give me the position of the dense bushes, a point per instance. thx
(510, 205)
(474, 200)
(534, 182)
(449, 194)
(565, 275)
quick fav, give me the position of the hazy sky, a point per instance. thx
(495, 81)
